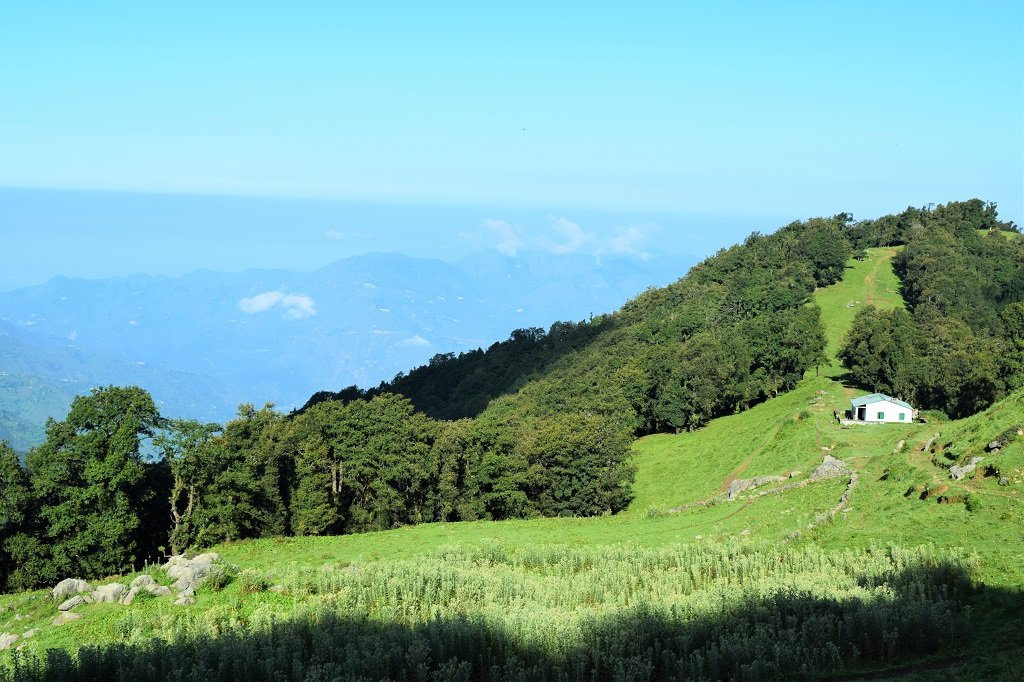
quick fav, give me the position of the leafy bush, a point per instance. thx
(252, 581)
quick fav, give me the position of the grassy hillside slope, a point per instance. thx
(545, 591)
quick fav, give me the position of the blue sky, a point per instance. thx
(626, 114)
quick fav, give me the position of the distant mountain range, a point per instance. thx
(205, 342)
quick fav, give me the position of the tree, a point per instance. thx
(89, 486)
(457, 458)
(246, 470)
(15, 504)
(879, 351)
(185, 445)
(577, 465)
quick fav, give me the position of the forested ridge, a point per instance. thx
(959, 345)
(538, 425)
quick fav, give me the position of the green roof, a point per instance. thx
(876, 398)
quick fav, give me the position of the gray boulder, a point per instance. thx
(7, 640)
(71, 603)
(958, 473)
(129, 598)
(69, 586)
(186, 578)
(994, 445)
(1003, 480)
(159, 590)
(829, 467)
(740, 485)
(737, 486)
(67, 617)
(189, 574)
(143, 581)
(109, 593)
(185, 600)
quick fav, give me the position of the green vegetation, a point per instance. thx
(710, 611)
(888, 559)
(959, 346)
(735, 331)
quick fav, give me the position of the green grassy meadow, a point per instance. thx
(542, 591)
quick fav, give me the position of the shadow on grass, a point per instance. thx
(790, 634)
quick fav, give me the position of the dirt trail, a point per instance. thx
(731, 514)
(742, 466)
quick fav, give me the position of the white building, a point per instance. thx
(880, 408)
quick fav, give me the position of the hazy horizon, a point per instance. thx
(110, 234)
(159, 139)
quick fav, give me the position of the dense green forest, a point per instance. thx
(538, 425)
(959, 345)
(734, 331)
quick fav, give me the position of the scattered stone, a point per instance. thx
(159, 591)
(69, 586)
(746, 531)
(959, 472)
(67, 617)
(71, 603)
(7, 640)
(994, 445)
(1003, 480)
(185, 600)
(109, 593)
(28, 634)
(899, 446)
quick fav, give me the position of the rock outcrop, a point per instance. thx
(67, 617)
(958, 473)
(71, 602)
(68, 587)
(188, 573)
(109, 593)
(739, 485)
(829, 467)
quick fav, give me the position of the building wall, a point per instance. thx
(890, 411)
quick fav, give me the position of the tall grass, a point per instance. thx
(697, 611)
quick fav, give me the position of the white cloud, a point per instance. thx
(260, 302)
(504, 236)
(296, 306)
(334, 234)
(630, 241)
(573, 237)
(413, 341)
